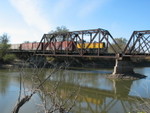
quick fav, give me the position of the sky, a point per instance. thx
(28, 20)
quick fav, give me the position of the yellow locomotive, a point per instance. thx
(95, 45)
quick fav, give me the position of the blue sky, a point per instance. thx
(28, 20)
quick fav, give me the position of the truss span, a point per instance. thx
(138, 44)
(85, 43)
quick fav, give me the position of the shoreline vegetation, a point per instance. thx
(76, 62)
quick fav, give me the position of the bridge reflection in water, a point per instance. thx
(97, 93)
(94, 100)
(98, 100)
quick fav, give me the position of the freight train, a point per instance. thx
(62, 45)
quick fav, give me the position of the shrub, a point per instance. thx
(9, 57)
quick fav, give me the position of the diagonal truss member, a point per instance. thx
(79, 43)
(139, 43)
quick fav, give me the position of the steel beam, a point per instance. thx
(138, 44)
(50, 42)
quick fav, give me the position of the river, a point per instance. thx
(98, 94)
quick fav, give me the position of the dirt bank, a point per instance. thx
(77, 62)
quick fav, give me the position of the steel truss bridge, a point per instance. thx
(137, 46)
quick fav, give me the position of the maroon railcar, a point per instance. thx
(54, 46)
(58, 45)
(68, 45)
(61, 46)
(35, 45)
(31, 46)
(64, 45)
(26, 46)
(50, 46)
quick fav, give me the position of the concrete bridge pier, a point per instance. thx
(123, 66)
(124, 69)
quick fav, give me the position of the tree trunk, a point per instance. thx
(20, 103)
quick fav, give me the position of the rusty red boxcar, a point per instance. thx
(27, 46)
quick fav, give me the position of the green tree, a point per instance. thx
(121, 43)
(4, 39)
(60, 31)
(26, 42)
(4, 47)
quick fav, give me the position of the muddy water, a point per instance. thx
(97, 93)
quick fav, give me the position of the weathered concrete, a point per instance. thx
(123, 66)
(124, 69)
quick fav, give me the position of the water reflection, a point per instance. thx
(97, 93)
(5, 80)
(121, 87)
(84, 78)
(94, 100)
(4, 83)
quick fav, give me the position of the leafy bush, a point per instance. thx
(3, 49)
(9, 57)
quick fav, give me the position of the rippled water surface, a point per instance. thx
(97, 92)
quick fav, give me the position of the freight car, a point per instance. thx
(64, 45)
(30, 46)
(24, 46)
(15, 46)
(61, 46)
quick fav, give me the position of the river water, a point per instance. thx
(98, 94)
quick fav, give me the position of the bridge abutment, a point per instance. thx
(124, 69)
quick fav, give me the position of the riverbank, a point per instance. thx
(98, 62)
(75, 62)
(17, 63)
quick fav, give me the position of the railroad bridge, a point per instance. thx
(94, 43)
(62, 44)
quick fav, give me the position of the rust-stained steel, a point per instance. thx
(87, 43)
(72, 43)
(138, 44)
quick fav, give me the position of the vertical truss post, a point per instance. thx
(99, 37)
(82, 45)
(75, 46)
